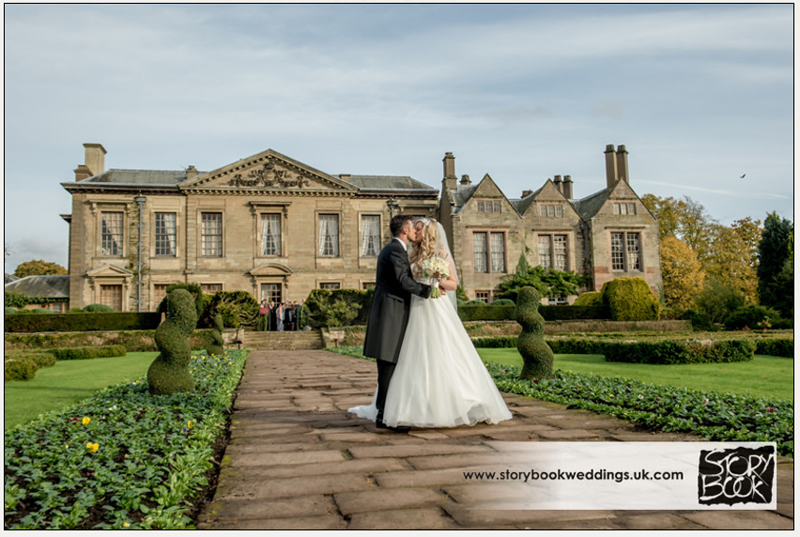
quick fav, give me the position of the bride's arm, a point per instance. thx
(449, 284)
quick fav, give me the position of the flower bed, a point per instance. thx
(123, 458)
(715, 416)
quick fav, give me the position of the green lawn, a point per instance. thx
(68, 382)
(765, 376)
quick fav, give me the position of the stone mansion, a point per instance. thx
(278, 228)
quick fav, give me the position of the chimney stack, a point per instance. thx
(450, 181)
(465, 181)
(622, 163)
(557, 182)
(191, 172)
(95, 158)
(566, 187)
(611, 166)
(526, 193)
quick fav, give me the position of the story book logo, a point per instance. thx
(736, 476)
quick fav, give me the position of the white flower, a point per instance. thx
(434, 264)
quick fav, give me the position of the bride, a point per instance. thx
(440, 380)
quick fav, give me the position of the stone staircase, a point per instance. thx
(300, 340)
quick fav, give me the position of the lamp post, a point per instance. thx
(140, 201)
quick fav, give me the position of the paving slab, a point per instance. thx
(298, 460)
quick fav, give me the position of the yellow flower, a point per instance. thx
(86, 420)
(92, 448)
(190, 424)
(126, 525)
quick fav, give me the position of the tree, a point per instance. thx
(37, 267)
(547, 282)
(665, 210)
(681, 273)
(774, 253)
(730, 261)
(685, 219)
(749, 231)
(718, 300)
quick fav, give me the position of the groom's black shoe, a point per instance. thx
(404, 430)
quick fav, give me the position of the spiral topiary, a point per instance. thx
(216, 347)
(537, 355)
(169, 372)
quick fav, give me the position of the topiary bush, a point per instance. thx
(10, 311)
(217, 344)
(41, 310)
(80, 322)
(41, 359)
(536, 354)
(20, 369)
(503, 302)
(169, 372)
(98, 308)
(630, 299)
(591, 298)
(679, 351)
(336, 307)
(195, 289)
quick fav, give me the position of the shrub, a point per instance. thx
(338, 307)
(630, 299)
(20, 369)
(10, 311)
(536, 354)
(41, 310)
(476, 302)
(169, 372)
(237, 308)
(79, 322)
(572, 313)
(88, 353)
(503, 302)
(753, 317)
(14, 299)
(775, 347)
(98, 308)
(484, 312)
(686, 351)
(591, 298)
(496, 342)
(576, 346)
(41, 359)
(217, 345)
(700, 320)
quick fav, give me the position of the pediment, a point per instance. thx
(271, 269)
(109, 271)
(268, 170)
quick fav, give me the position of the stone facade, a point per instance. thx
(278, 228)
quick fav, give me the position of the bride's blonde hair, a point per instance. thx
(425, 247)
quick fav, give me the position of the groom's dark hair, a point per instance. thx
(397, 223)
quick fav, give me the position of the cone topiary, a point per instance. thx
(537, 355)
(169, 372)
(216, 347)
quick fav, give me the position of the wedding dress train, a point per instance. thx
(440, 380)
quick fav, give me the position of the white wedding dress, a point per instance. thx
(440, 380)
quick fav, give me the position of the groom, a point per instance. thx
(394, 285)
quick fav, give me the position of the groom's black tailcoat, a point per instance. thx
(388, 317)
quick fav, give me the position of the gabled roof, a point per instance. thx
(587, 207)
(461, 196)
(50, 286)
(524, 203)
(10, 278)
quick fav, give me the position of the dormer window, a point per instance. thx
(488, 206)
(624, 208)
(551, 211)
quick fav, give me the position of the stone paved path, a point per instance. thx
(298, 460)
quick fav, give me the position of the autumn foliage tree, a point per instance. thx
(37, 267)
(681, 272)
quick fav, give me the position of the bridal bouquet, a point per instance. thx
(433, 265)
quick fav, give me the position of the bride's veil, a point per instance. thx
(442, 249)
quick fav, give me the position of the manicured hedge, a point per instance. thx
(41, 359)
(776, 347)
(490, 312)
(79, 322)
(87, 353)
(20, 369)
(687, 351)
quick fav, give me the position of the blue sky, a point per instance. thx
(699, 94)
